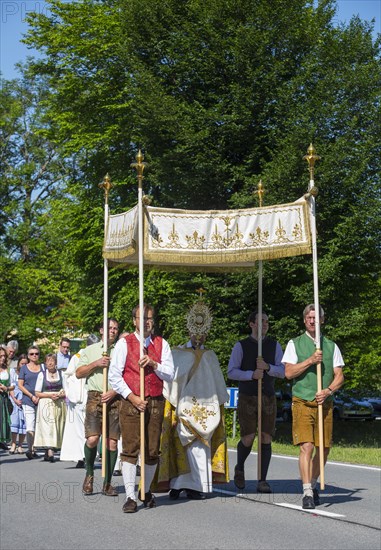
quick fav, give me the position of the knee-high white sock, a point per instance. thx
(129, 478)
(149, 475)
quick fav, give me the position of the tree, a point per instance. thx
(37, 279)
(222, 94)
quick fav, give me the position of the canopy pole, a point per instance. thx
(139, 165)
(106, 186)
(311, 158)
(260, 193)
(259, 317)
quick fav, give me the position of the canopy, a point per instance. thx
(212, 240)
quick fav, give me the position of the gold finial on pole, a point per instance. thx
(106, 185)
(260, 192)
(311, 157)
(139, 166)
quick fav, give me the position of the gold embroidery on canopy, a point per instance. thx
(259, 237)
(195, 241)
(230, 237)
(209, 240)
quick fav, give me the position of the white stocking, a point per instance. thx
(149, 475)
(129, 478)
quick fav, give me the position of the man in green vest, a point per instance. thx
(300, 359)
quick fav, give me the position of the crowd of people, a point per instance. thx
(65, 402)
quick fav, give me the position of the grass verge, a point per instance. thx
(354, 442)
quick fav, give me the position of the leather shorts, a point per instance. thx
(94, 413)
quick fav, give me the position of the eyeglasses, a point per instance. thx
(145, 318)
(34, 353)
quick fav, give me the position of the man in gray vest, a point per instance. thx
(300, 359)
(246, 367)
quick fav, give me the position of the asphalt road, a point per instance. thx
(42, 507)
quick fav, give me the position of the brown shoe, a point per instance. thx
(87, 487)
(239, 478)
(149, 500)
(130, 506)
(109, 490)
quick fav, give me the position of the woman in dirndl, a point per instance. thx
(18, 425)
(5, 402)
(51, 410)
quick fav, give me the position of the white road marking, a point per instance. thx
(314, 511)
(283, 504)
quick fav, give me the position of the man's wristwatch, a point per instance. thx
(330, 390)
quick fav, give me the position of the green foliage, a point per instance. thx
(219, 95)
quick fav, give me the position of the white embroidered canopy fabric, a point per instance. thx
(213, 239)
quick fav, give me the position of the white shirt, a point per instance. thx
(55, 377)
(165, 370)
(290, 355)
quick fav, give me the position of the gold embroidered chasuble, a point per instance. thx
(194, 410)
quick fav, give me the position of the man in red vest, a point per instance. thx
(124, 377)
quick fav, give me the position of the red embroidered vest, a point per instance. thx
(153, 386)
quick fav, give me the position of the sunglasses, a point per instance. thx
(34, 353)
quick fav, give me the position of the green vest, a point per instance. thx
(305, 385)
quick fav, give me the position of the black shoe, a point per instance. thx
(175, 493)
(316, 497)
(148, 501)
(52, 459)
(263, 487)
(80, 464)
(308, 503)
(3, 446)
(239, 478)
(35, 455)
(29, 455)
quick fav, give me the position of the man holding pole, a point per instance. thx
(124, 377)
(301, 358)
(94, 359)
(246, 367)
